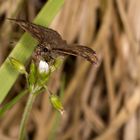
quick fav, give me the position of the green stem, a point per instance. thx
(26, 76)
(45, 87)
(26, 114)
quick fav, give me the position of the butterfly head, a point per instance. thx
(43, 52)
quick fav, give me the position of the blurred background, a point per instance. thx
(101, 102)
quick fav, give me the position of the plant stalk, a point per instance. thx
(26, 114)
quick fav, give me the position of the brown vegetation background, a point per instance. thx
(101, 102)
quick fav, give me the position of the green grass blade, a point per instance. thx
(25, 47)
(10, 104)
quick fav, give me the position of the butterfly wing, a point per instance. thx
(58, 45)
(42, 34)
(78, 50)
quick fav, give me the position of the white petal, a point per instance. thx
(43, 66)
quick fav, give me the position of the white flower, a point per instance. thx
(43, 67)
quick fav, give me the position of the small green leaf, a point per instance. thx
(56, 64)
(32, 75)
(43, 78)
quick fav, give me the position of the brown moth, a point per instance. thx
(51, 45)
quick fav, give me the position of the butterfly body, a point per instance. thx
(51, 45)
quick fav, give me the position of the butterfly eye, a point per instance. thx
(45, 50)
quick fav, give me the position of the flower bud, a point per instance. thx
(56, 103)
(43, 67)
(17, 65)
(43, 73)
